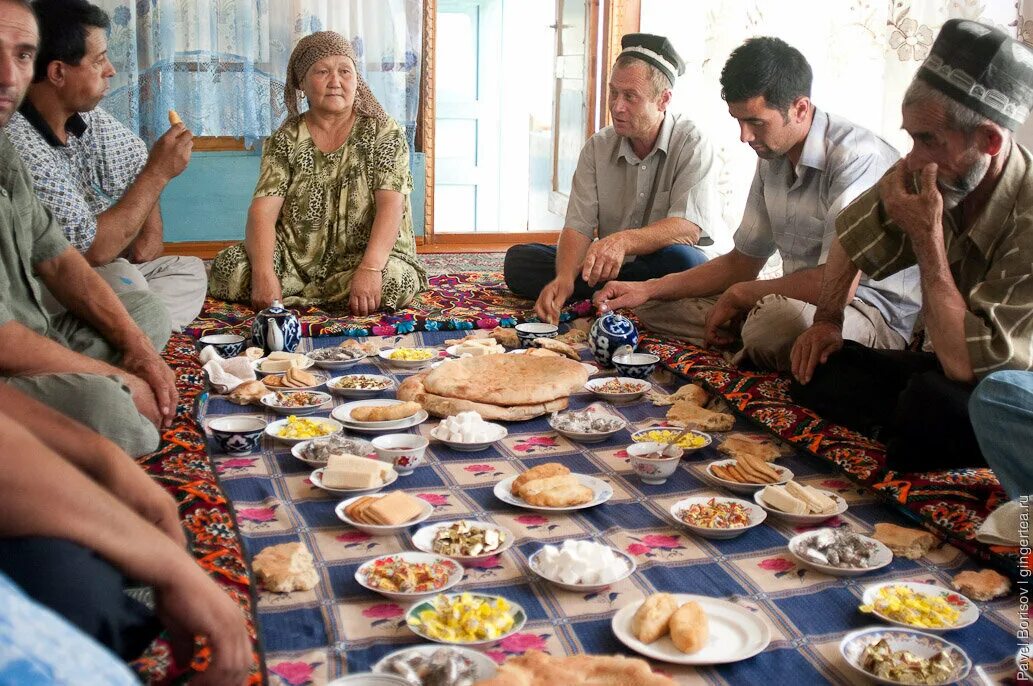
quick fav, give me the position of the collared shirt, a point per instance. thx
(78, 180)
(612, 186)
(793, 210)
(991, 262)
(28, 235)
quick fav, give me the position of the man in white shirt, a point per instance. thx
(812, 164)
(644, 195)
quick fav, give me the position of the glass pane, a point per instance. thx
(456, 140)
(457, 56)
(455, 208)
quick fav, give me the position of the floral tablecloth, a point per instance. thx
(312, 637)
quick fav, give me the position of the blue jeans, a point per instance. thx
(1001, 408)
(529, 267)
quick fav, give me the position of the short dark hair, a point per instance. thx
(63, 25)
(766, 66)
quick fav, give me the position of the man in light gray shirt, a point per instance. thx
(812, 164)
(645, 187)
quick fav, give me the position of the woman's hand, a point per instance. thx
(366, 291)
(265, 288)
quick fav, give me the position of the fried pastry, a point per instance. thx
(652, 619)
(540, 472)
(556, 491)
(689, 628)
(385, 413)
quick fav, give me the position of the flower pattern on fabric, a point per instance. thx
(211, 527)
(911, 40)
(295, 673)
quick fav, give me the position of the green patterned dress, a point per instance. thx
(327, 215)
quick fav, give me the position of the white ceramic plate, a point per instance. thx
(917, 643)
(455, 576)
(968, 609)
(737, 487)
(595, 386)
(363, 448)
(359, 392)
(370, 679)
(321, 378)
(335, 364)
(423, 540)
(641, 436)
(534, 563)
(269, 401)
(274, 428)
(316, 478)
(500, 433)
(484, 666)
(735, 634)
(306, 363)
(380, 529)
(602, 492)
(841, 507)
(882, 557)
(417, 418)
(757, 516)
(385, 355)
(519, 619)
(594, 437)
(344, 412)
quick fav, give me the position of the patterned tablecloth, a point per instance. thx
(339, 627)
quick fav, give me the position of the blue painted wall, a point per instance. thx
(209, 201)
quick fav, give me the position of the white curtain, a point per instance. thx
(221, 63)
(864, 54)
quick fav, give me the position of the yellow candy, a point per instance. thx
(689, 440)
(902, 604)
(299, 427)
(464, 619)
(411, 354)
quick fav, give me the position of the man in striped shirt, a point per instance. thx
(960, 206)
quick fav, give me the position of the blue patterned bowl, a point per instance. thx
(612, 334)
(635, 365)
(237, 435)
(226, 344)
(529, 331)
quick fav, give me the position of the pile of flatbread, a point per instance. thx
(498, 387)
(688, 410)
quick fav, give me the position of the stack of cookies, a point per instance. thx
(392, 509)
(292, 378)
(747, 469)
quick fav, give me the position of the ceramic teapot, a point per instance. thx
(276, 329)
(611, 334)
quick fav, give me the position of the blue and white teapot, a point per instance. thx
(276, 328)
(612, 334)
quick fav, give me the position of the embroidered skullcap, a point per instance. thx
(982, 68)
(317, 46)
(654, 50)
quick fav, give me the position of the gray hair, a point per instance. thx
(959, 117)
(657, 78)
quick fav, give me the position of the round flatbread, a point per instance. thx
(440, 406)
(507, 380)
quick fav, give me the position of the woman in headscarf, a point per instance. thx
(330, 223)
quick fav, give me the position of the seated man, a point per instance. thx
(92, 173)
(812, 164)
(68, 361)
(1001, 408)
(80, 518)
(646, 187)
(967, 222)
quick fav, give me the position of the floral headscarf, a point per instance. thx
(315, 47)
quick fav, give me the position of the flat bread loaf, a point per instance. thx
(904, 542)
(535, 668)
(686, 413)
(507, 380)
(440, 406)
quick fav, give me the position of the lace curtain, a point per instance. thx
(864, 54)
(221, 63)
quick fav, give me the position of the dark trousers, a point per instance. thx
(901, 398)
(531, 266)
(82, 587)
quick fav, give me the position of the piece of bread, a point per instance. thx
(904, 542)
(556, 346)
(299, 378)
(556, 491)
(414, 389)
(285, 567)
(507, 337)
(248, 392)
(690, 393)
(535, 668)
(507, 379)
(652, 619)
(689, 628)
(738, 445)
(542, 471)
(393, 509)
(573, 337)
(686, 413)
(985, 584)
(385, 413)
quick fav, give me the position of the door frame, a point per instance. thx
(619, 17)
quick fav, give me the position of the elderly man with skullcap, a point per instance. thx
(331, 222)
(960, 206)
